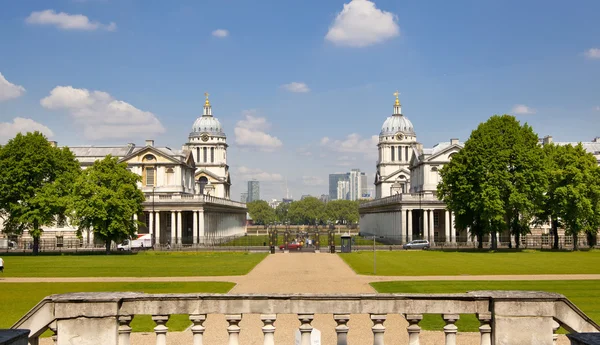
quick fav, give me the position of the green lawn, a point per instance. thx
(584, 293)
(15, 302)
(424, 262)
(144, 264)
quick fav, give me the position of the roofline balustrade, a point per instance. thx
(506, 317)
(159, 199)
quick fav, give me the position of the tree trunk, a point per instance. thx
(36, 245)
(108, 246)
(555, 233)
(494, 240)
(479, 241)
(575, 247)
(517, 239)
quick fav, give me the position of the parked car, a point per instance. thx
(417, 244)
(291, 246)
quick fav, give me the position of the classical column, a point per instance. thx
(195, 229)
(157, 228)
(452, 228)
(135, 222)
(404, 227)
(447, 226)
(179, 232)
(151, 223)
(173, 239)
(409, 228)
(426, 224)
(432, 228)
(201, 234)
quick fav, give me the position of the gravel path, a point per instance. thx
(304, 273)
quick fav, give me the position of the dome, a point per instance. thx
(397, 123)
(208, 124)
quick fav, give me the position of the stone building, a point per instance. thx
(187, 191)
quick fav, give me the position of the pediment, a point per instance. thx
(138, 156)
(211, 175)
(448, 150)
(400, 172)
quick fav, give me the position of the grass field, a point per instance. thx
(144, 264)
(421, 263)
(584, 293)
(15, 303)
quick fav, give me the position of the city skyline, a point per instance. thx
(296, 101)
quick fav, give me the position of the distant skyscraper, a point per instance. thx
(333, 184)
(244, 197)
(324, 198)
(364, 190)
(253, 191)
(357, 181)
(343, 190)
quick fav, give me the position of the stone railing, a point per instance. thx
(191, 198)
(506, 317)
(395, 199)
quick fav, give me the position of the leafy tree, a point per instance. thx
(496, 182)
(342, 211)
(310, 210)
(281, 211)
(572, 198)
(261, 212)
(105, 199)
(35, 184)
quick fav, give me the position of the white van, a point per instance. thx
(142, 242)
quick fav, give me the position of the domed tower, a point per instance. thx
(397, 140)
(208, 144)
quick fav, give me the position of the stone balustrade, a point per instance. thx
(191, 198)
(506, 317)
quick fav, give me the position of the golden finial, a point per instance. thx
(397, 99)
(207, 103)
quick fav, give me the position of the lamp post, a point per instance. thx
(420, 213)
(153, 220)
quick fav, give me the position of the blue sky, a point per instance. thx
(285, 75)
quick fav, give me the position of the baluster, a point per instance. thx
(378, 328)
(161, 329)
(305, 328)
(414, 330)
(485, 329)
(555, 327)
(268, 328)
(450, 329)
(342, 328)
(198, 328)
(234, 329)
(54, 330)
(124, 329)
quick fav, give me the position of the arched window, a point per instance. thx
(170, 177)
(203, 182)
(149, 158)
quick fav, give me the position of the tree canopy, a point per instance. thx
(260, 212)
(497, 181)
(342, 211)
(105, 199)
(35, 184)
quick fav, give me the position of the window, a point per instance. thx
(406, 153)
(59, 241)
(212, 154)
(205, 152)
(150, 177)
(203, 182)
(197, 154)
(149, 158)
(170, 177)
(436, 219)
(400, 153)
(393, 153)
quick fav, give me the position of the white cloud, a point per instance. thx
(67, 21)
(102, 116)
(353, 143)
(592, 53)
(221, 33)
(296, 87)
(522, 109)
(345, 161)
(597, 108)
(251, 132)
(313, 181)
(257, 174)
(361, 23)
(21, 125)
(9, 90)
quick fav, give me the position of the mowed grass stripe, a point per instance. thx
(145, 264)
(433, 263)
(17, 299)
(584, 293)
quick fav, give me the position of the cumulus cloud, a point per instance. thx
(592, 53)
(9, 90)
(296, 87)
(361, 24)
(313, 181)
(345, 161)
(258, 174)
(251, 133)
(102, 116)
(67, 21)
(221, 33)
(522, 109)
(22, 125)
(353, 143)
